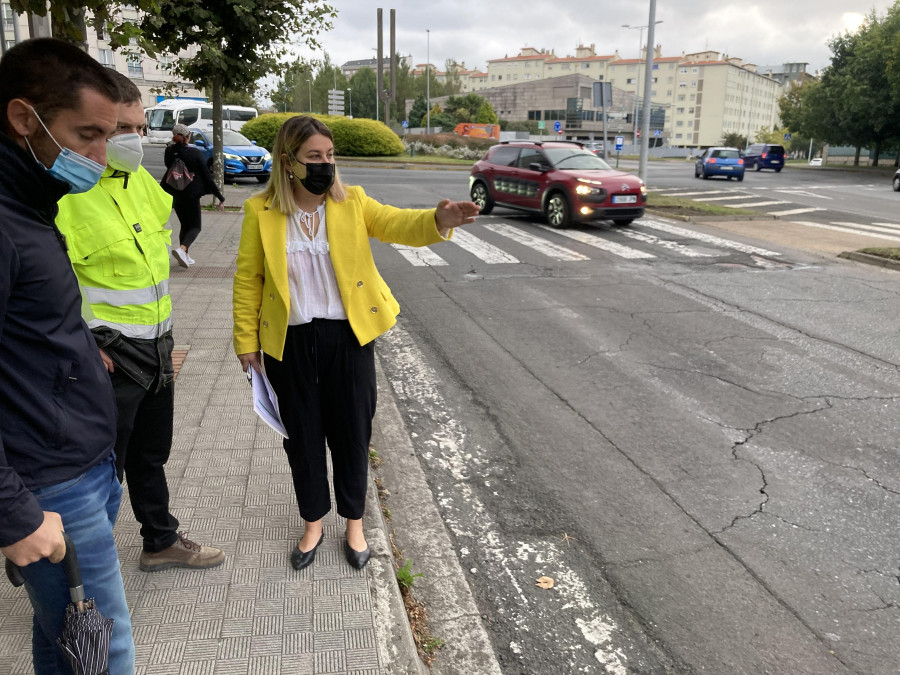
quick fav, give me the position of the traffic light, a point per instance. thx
(629, 118)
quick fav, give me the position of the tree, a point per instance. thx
(328, 77)
(291, 94)
(363, 85)
(244, 98)
(418, 111)
(486, 114)
(734, 139)
(68, 22)
(234, 43)
(464, 108)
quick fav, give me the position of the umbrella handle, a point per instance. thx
(73, 571)
(70, 566)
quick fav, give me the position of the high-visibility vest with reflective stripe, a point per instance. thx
(119, 248)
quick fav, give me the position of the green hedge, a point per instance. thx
(352, 138)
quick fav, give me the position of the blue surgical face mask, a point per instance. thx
(78, 171)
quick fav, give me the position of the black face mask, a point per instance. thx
(319, 177)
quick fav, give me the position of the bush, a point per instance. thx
(352, 138)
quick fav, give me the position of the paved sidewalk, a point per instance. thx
(231, 487)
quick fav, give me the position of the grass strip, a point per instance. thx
(889, 252)
(668, 205)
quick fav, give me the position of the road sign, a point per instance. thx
(557, 126)
(787, 137)
(542, 125)
(657, 133)
(620, 142)
(405, 124)
(637, 134)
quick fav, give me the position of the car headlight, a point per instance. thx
(585, 190)
(236, 157)
(267, 157)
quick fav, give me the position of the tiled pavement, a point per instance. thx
(231, 487)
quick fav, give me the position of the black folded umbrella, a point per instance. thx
(86, 632)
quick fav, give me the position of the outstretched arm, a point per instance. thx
(454, 214)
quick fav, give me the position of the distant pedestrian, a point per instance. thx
(187, 200)
(132, 325)
(57, 407)
(311, 299)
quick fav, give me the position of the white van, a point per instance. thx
(195, 114)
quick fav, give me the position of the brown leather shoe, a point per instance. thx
(183, 553)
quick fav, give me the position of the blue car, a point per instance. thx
(243, 158)
(720, 162)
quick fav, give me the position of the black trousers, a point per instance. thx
(143, 444)
(188, 212)
(326, 392)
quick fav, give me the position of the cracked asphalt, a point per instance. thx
(703, 456)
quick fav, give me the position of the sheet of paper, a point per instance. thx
(265, 402)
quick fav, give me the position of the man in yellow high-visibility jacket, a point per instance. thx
(119, 248)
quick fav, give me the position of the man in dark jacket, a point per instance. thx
(187, 201)
(57, 410)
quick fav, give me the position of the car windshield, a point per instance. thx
(570, 158)
(726, 154)
(234, 138)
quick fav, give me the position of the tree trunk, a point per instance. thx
(877, 153)
(218, 171)
(856, 156)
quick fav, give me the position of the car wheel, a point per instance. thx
(703, 174)
(757, 167)
(740, 178)
(482, 198)
(624, 222)
(778, 170)
(696, 172)
(558, 212)
(262, 179)
(896, 183)
(728, 177)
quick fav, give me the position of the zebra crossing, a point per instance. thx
(663, 238)
(745, 198)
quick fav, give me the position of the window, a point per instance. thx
(566, 66)
(106, 58)
(655, 79)
(165, 62)
(668, 93)
(528, 64)
(690, 123)
(680, 97)
(527, 76)
(534, 114)
(694, 84)
(504, 156)
(695, 70)
(690, 111)
(678, 136)
(585, 65)
(683, 71)
(682, 85)
(527, 157)
(630, 80)
(679, 123)
(134, 65)
(102, 33)
(189, 116)
(679, 110)
(493, 77)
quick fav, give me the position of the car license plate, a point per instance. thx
(727, 168)
(624, 199)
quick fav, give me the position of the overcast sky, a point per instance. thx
(764, 32)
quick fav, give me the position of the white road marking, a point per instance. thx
(893, 226)
(481, 249)
(795, 212)
(602, 244)
(674, 246)
(418, 385)
(752, 204)
(836, 228)
(723, 199)
(421, 256)
(871, 228)
(540, 245)
(803, 193)
(691, 194)
(706, 238)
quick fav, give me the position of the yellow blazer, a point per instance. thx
(261, 301)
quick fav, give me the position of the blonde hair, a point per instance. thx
(294, 133)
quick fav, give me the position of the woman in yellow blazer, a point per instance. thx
(307, 296)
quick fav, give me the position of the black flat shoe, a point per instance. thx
(299, 559)
(357, 559)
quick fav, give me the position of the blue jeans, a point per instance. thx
(88, 505)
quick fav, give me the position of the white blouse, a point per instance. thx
(313, 286)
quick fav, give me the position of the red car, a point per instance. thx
(560, 179)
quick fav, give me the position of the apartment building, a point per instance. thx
(150, 75)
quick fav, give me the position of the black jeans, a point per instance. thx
(326, 392)
(188, 212)
(143, 444)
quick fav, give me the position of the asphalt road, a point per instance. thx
(691, 430)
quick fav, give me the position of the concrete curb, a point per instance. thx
(421, 535)
(869, 259)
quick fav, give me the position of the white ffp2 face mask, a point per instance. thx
(125, 152)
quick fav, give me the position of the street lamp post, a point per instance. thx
(644, 107)
(378, 65)
(309, 82)
(428, 80)
(350, 91)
